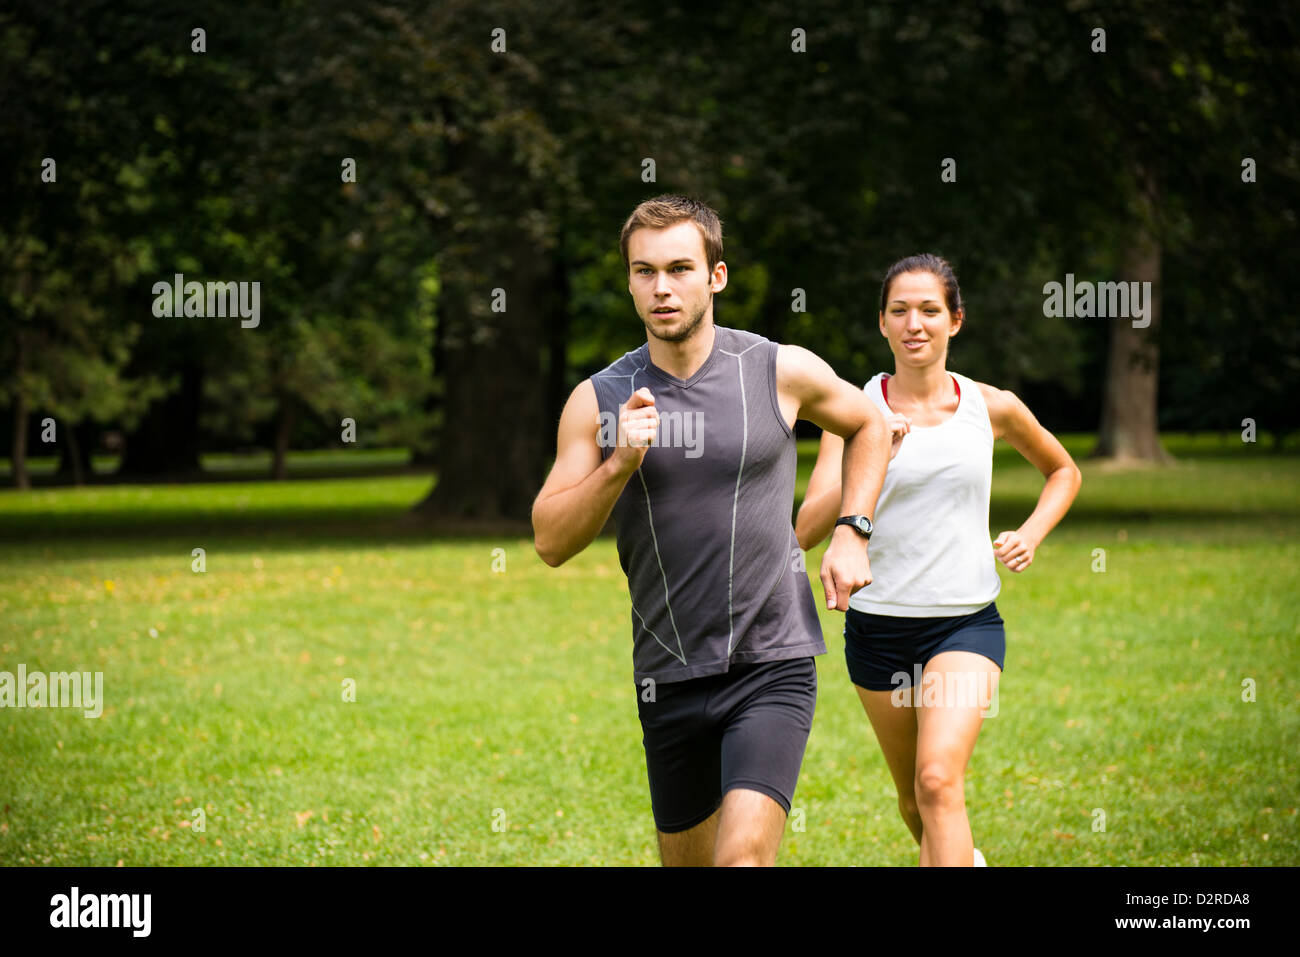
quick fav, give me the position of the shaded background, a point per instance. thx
(480, 169)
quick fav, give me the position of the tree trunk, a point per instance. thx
(18, 452)
(285, 417)
(74, 452)
(491, 455)
(491, 450)
(1129, 426)
(167, 440)
(434, 401)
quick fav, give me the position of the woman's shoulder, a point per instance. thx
(1004, 406)
(993, 396)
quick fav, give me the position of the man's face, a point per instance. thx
(670, 282)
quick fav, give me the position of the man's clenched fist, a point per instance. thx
(845, 567)
(638, 424)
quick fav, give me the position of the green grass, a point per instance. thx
(251, 465)
(506, 697)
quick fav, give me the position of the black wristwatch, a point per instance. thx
(861, 524)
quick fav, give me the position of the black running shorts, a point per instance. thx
(883, 651)
(743, 729)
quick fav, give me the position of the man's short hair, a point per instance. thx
(669, 210)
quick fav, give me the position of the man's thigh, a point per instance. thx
(767, 716)
(740, 735)
(683, 764)
(763, 744)
(692, 847)
(749, 830)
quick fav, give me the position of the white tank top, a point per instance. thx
(931, 553)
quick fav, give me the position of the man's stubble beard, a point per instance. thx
(691, 329)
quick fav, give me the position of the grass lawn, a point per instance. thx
(494, 719)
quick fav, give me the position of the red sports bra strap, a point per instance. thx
(884, 387)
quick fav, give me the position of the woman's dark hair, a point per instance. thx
(926, 262)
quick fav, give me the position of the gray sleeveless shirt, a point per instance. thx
(715, 572)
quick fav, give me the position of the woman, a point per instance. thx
(930, 608)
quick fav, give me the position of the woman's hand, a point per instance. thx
(1014, 550)
(1014, 422)
(899, 425)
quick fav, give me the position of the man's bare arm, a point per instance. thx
(579, 494)
(827, 400)
(821, 500)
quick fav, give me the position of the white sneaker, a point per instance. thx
(979, 859)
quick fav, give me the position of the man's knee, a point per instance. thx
(750, 853)
(749, 831)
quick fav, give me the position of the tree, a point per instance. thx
(63, 262)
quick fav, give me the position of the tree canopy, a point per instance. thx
(429, 198)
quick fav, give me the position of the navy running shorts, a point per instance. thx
(878, 648)
(745, 728)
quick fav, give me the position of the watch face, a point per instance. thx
(859, 522)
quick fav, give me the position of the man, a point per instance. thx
(688, 441)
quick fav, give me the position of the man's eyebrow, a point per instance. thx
(684, 259)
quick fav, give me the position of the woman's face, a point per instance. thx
(916, 320)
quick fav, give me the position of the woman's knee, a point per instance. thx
(939, 786)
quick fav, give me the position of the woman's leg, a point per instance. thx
(895, 729)
(956, 687)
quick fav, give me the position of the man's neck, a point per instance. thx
(683, 359)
